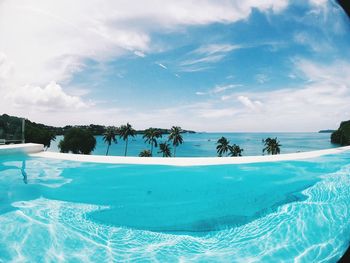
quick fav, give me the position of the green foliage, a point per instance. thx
(272, 146)
(165, 149)
(223, 146)
(35, 134)
(145, 153)
(124, 132)
(342, 135)
(11, 129)
(235, 150)
(175, 137)
(109, 137)
(77, 141)
(150, 136)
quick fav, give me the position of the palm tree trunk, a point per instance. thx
(174, 151)
(152, 148)
(126, 146)
(107, 149)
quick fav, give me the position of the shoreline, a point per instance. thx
(188, 161)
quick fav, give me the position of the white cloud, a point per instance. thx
(252, 105)
(43, 41)
(162, 65)
(49, 40)
(312, 42)
(206, 59)
(219, 89)
(319, 104)
(139, 54)
(318, 2)
(48, 98)
(262, 78)
(216, 48)
(202, 57)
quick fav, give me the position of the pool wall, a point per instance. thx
(21, 148)
(189, 161)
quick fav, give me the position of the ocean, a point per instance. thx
(204, 144)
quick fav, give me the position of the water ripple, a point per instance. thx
(307, 230)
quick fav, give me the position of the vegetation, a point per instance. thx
(223, 146)
(326, 131)
(145, 153)
(78, 141)
(11, 130)
(235, 150)
(151, 135)
(164, 148)
(36, 135)
(124, 132)
(342, 135)
(175, 137)
(272, 146)
(164, 131)
(109, 137)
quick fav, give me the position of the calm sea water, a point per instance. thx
(204, 144)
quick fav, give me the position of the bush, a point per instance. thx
(78, 141)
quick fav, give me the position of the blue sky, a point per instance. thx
(203, 65)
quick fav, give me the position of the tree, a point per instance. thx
(175, 137)
(78, 141)
(272, 146)
(124, 132)
(37, 135)
(223, 146)
(109, 137)
(165, 149)
(235, 150)
(145, 153)
(150, 136)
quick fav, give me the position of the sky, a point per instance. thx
(205, 65)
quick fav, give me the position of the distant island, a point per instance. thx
(326, 131)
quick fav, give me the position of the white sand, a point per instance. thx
(188, 161)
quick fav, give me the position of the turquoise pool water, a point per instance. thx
(204, 144)
(52, 211)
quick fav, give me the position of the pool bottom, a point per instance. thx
(312, 230)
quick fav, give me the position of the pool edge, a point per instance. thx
(188, 161)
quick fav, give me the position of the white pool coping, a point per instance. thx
(21, 148)
(189, 161)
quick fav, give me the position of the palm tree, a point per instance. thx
(151, 135)
(235, 150)
(109, 137)
(272, 146)
(223, 146)
(145, 153)
(175, 137)
(124, 132)
(165, 149)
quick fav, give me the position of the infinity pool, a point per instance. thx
(52, 211)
